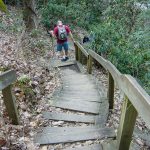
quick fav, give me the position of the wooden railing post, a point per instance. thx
(79, 55)
(9, 101)
(110, 91)
(76, 51)
(84, 59)
(126, 126)
(89, 64)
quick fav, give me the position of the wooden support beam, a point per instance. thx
(126, 126)
(84, 59)
(89, 64)
(76, 51)
(82, 49)
(110, 91)
(9, 101)
(79, 55)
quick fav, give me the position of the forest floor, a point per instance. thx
(27, 54)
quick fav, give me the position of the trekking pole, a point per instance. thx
(52, 40)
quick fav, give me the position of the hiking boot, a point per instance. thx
(65, 59)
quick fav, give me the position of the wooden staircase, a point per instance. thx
(86, 104)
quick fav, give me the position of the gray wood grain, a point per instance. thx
(89, 107)
(77, 99)
(7, 78)
(69, 117)
(74, 136)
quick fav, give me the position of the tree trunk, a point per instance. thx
(29, 15)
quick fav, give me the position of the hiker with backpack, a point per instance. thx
(61, 33)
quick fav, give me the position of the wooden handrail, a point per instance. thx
(137, 101)
(107, 65)
(6, 79)
(137, 95)
(82, 49)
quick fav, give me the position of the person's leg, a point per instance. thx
(66, 47)
(59, 50)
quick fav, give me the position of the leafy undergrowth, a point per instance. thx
(25, 53)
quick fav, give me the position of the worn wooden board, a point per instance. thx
(76, 99)
(89, 107)
(103, 114)
(80, 86)
(7, 78)
(77, 134)
(68, 97)
(89, 147)
(59, 63)
(79, 91)
(69, 117)
(52, 130)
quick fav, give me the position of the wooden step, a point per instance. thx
(76, 99)
(81, 106)
(56, 135)
(69, 117)
(66, 97)
(80, 92)
(59, 63)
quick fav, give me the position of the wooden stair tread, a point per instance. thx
(74, 135)
(77, 99)
(59, 63)
(81, 106)
(69, 117)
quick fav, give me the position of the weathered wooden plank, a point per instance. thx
(78, 100)
(76, 51)
(126, 126)
(84, 86)
(111, 91)
(137, 95)
(89, 107)
(57, 130)
(89, 64)
(69, 117)
(59, 63)
(103, 114)
(74, 76)
(9, 101)
(74, 136)
(79, 96)
(82, 49)
(79, 55)
(98, 58)
(7, 78)
(89, 147)
(79, 92)
(78, 82)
